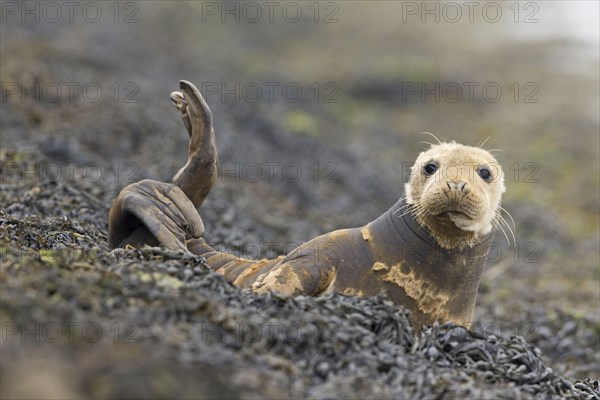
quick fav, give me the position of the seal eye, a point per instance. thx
(430, 168)
(484, 173)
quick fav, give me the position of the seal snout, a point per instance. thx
(458, 186)
(455, 191)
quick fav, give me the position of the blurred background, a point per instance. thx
(318, 110)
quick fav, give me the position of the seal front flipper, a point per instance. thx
(199, 174)
(151, 212)
(301, 276)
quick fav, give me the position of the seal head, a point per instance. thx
(455, 191)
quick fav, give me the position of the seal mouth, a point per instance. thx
(455, 214)
(458, 214)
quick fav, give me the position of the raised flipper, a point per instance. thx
(151, 212)
(199, 174)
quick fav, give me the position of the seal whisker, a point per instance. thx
(406, 213)
(416, 208)
(403, 214)
(509, 216)
(419, 212)
(432, 135)
(410, 210)
(498, 225)
(402, 208)
(482, 143)
(501, 219)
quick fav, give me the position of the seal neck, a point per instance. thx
(403, 237)
(435, 282)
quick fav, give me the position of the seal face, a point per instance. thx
(455, 192)
(426, 252)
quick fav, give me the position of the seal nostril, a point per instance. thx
(460, 185)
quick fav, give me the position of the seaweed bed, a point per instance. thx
(82, 321)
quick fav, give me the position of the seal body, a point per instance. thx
(393, 254)
(426, 252)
